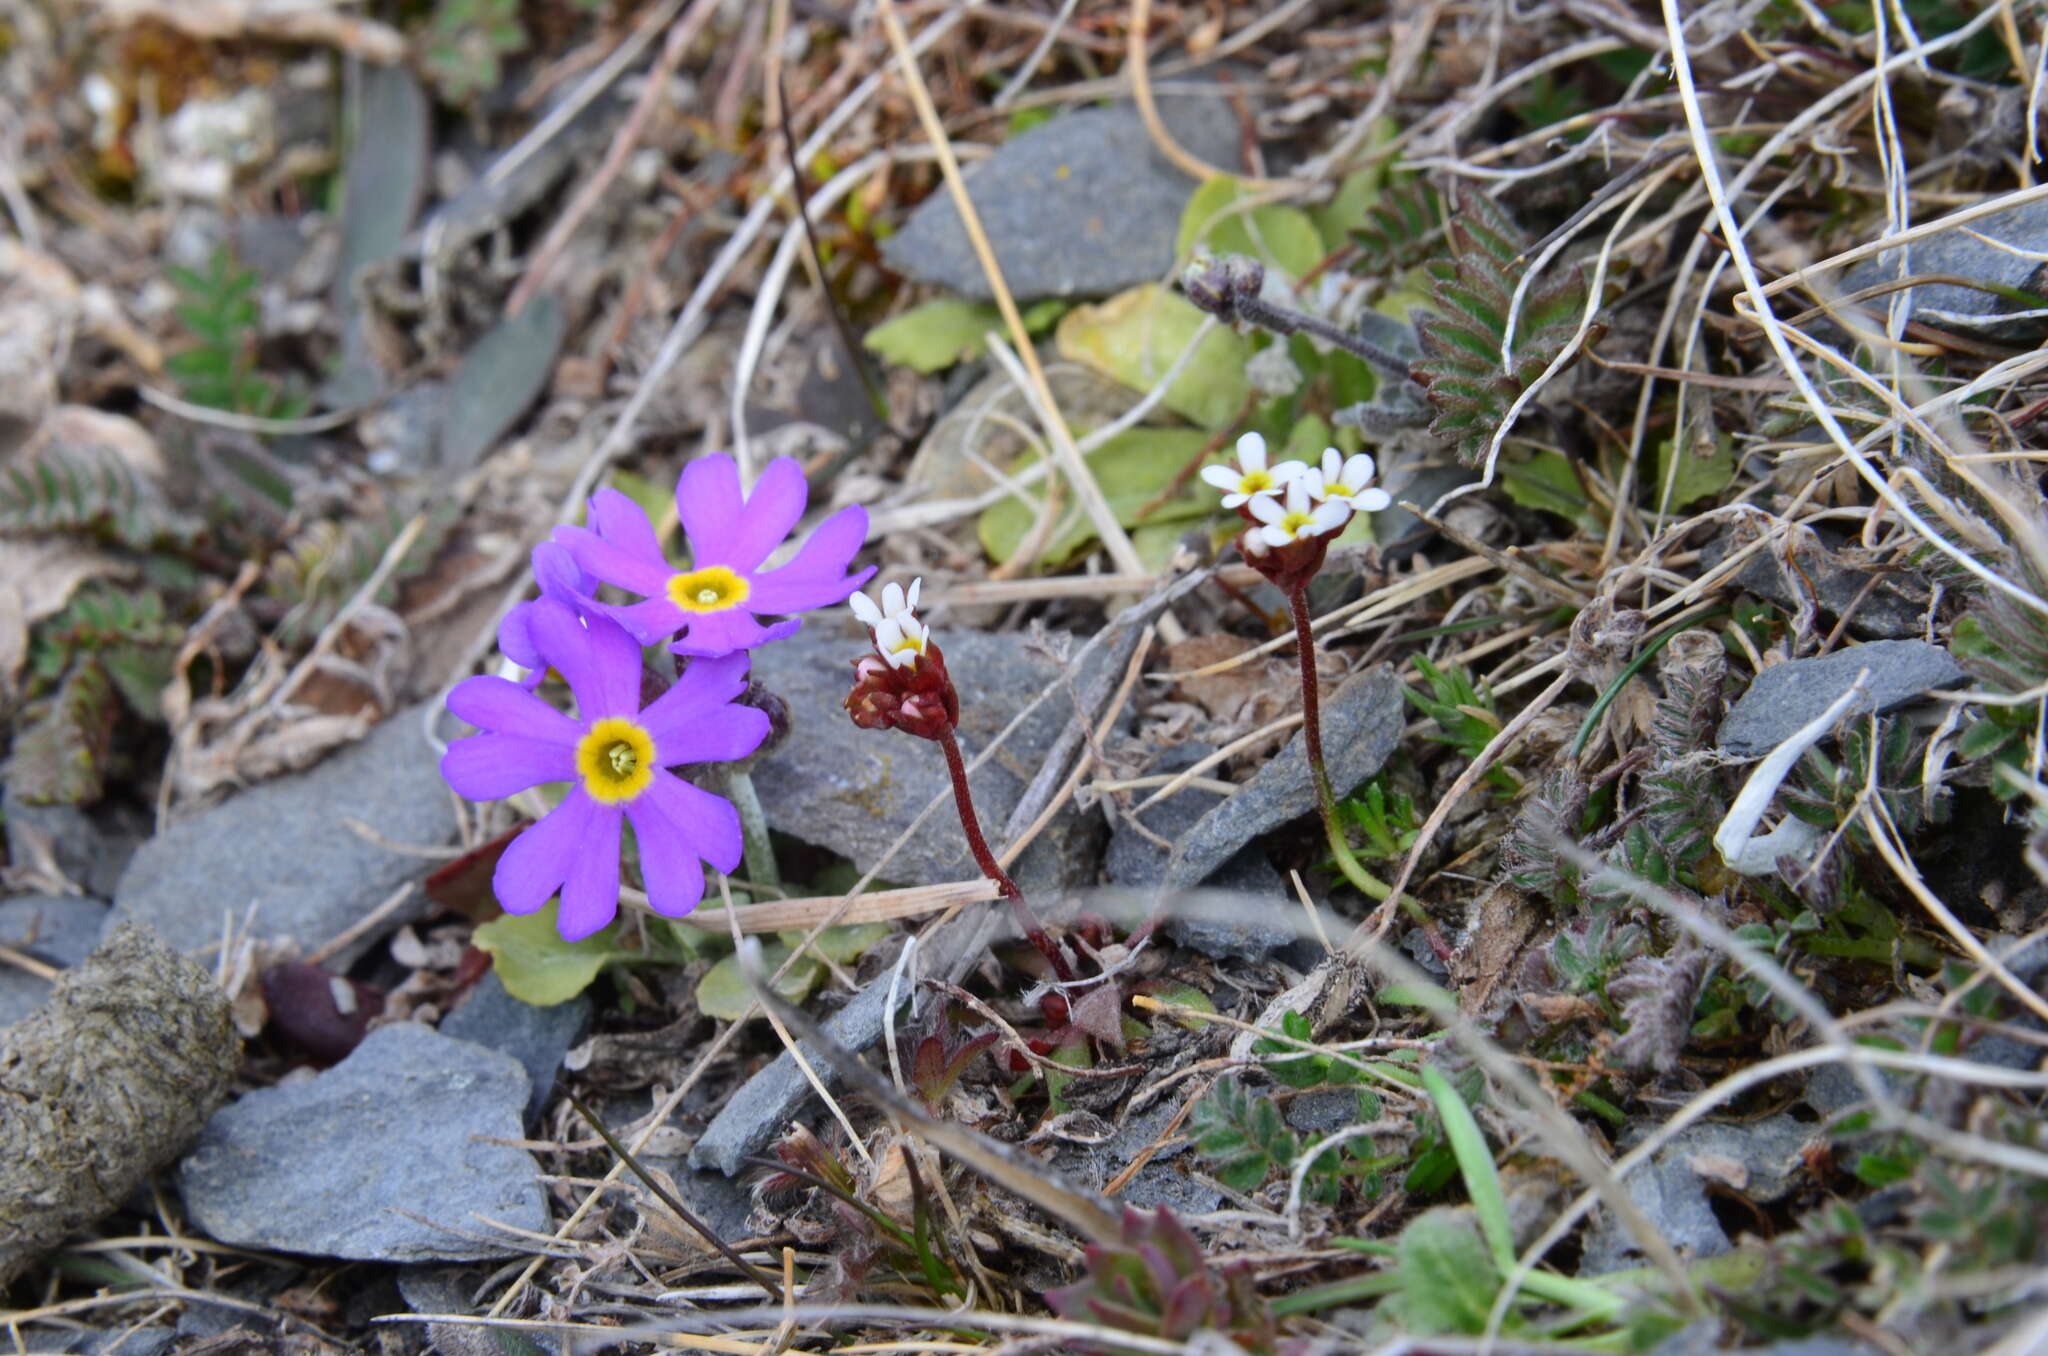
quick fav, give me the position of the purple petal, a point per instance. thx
(703, 685)
(708, 825)
(650, 622)
(493, 766)
(539, 859)
(516, 640)
(672, 833)
(590, 896)
(644, 575)
(723, 633)
(504, 707)
(624, 524)
(772, 510)
(559, 576)
(600, 661)
(722, 734)
(816, 575)
(708, 501)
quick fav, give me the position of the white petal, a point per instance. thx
(1222, 477)
(1317, 487)
(1297, 494)
(1358, 470)
(1333, 466)
(910, 600)
(1371, 501)
(888, 636)
(1251, 452)
(1266, 508)
(864, 608)
(1329, 517)
(1253, 543)
(1287, 472)
(1275, 536)
(892, 599)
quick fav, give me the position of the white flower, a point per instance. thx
(1251, 475)
(899, 636)
(1344, 480)
(895, 604)
(901, 640)
(1300, 517)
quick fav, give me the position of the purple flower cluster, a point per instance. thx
(616, 751)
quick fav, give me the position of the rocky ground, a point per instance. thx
(1686, 702)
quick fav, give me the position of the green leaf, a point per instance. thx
(1546, 481)
(1692, 478)
(723, 992)
(841, 945)
(934, 335)
(1475, 1164)
(536, 965)
(1135, 337)
(1280, 237)
(1448, 1280)
(1131, 469)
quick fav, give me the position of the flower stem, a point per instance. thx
(761, 869)
(1326, 800)
(970, 824)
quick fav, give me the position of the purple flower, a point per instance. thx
(717, 604)
(617, 755)
(560, 578)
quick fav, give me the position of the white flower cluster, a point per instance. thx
(900, 637)
(1293, 500)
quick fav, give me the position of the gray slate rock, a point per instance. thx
(2024, 227)
(1082, 205)
(1322, 1111)
(537, 1037)
(1229, 932)
(57, 930)
(283, 847)
(1160, 1182)
(1887, 606)
(769, 1100)
(1361, 726)
(1787, 696)
(376, 1159)
(853, 791)
(1672, 1192)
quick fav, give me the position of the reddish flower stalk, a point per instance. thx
(904, 686)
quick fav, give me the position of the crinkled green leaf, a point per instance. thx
(1448, 1280)
(1546, 481)
(1693, 477)
(1135, 337)
(536, 965)
(935, 335)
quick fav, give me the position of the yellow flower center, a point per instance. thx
(713, 589)
(1255, 482)
(1293, 523)
(615, 760)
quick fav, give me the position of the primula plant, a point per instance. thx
(640, 713)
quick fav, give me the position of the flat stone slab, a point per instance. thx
(853, 791)
(2023, 228)
(1361, 726)
(283, 847)
(1082, 205)
(379, 1159)
(1786, 696)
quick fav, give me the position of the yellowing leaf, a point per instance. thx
(1136, 336)
(723, 992)
(934, 335)
(1279, 237)
(1693, 477)
(1131, 468)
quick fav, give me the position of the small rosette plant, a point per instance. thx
(616, 755)
(722, 603)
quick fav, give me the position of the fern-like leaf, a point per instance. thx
(321, 568)
(1400, 230)
(1461, 370)
(60, 753)
(77, 491)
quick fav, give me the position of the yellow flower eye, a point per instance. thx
(713, 589)
(615, 761)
